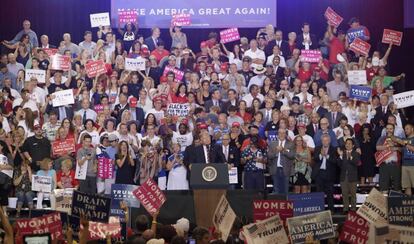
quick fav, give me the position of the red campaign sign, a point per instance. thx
(98, 108)
(50, 223)
(392, 36)
(94, 68)
(263, 209)
(127, 16)
(360, 46)
(60, 148)
(105, 168)
(50, 51)
(381, 156)
(355, 229)
(178, 73)
(310, 56)
(150, 196)
(99, 230)
(229, 35)
(60, 62)
(181, 20)
(332, 17)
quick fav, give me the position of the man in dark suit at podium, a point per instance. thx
(206, 152)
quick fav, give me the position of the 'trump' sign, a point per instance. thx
(150, 196)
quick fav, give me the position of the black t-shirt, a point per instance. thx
(247, 75)
(52, 88)
(44, 64)
(38, 149)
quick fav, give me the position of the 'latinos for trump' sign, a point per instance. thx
(361, 93)
(229, 35)
(150, 196)
(94, 207)
(359, 46)
(392, 36)
(404, 99)
(263, 209)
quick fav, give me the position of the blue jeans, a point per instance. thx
(22, 196)
(280, 182)
(253, 180)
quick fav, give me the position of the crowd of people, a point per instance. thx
(253, 105)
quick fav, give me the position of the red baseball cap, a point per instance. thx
(202, 126)
(301, 125)
(224, 66)
(308, 105)
(235, 124)
(163, 79)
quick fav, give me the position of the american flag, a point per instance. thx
(255, 229)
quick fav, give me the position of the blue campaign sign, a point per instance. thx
(122, 192)
(94, 207)
(307, 203)
(361, 93)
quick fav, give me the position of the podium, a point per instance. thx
(209, 182)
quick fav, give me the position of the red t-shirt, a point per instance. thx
(179, 99)
(336, 47)
(305, 75)
(323, 74)
(68, 181)
(159, 55)
(371, 73)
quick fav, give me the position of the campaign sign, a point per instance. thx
(374, 209)
(178, 73)
(310, 56)
(105, 168)
(65, 147)
(357, 77)
(50, 223)
(94, 207)
(333, 18)
(101, 19)
(361, 93)
(178, 109)
(355, 229)
(39, 74)
(392, 36)
(98, 108)
(181, 20)
(318, 225)
(224, 217)
(360, 47)
(355, 33)
(94, 68)
(101, 230)
(306, 203)
(401, 210)
(41, 183)
(63, 98)
(133, 101)
(50, 51)
(150, 196)
(266, 231)
(135, 64)
(229, 35)
(62, 200)
(123, 192)
(127, 16)
(60, 62)
(263, 209)
(404, 99)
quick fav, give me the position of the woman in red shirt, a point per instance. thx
(66, 176)
(180, 95)
(6, 102)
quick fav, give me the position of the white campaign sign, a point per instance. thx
(135, 64)
(39, 74)
(357, 77)
(5, 161)
(404, 99)
(41, 183)
(80, 173)
(101, 19)
(62, 98)
(233, 176)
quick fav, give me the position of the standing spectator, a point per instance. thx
(336, 86)
(86, 154)
(302, 170)
(34, 43)
(85, 112)
(36, 148)
(306, 40)
(125, 165)
(407, 177)
(178, 37)
(367, 144)
(324, 129)
(6, 174)
(357, 30)
(23, 185)
(13, 66)
(68, 45)
(50, 128)
(154, 39)
(150, 163)
(177, 178)
(257, 56)
(87, 43)
(45, 170)
(254, 160)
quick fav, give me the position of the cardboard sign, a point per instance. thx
(355, 229)
(39, 74)
(50, 223)
(5, 161)
(178, 109)
(333, 18)
(60, 62)
(63, 98)
(318, 225)
(62, 200)
(361, 93)
(310, 56)
(392, 36)
(41, 183)
(105, 168)
(357, 77)
(401, 210)
(359, 46)
(100, 230)
(233, 176)
(94, 68)
(81, 170)
(127, 16)
(50, 51)
(150, 196)
(60, 148)
(263, 209)
(391, 234)
(381, 156)
(229, 35)
(224, 217)
(178, 73)
(135, 64)
(94, 207)
(404, 99)
(101, 19)
(306, 203)
(181, 20)
(374, 209)
(268, 231)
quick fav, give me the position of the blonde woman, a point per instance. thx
(45, 170)
(302, 169)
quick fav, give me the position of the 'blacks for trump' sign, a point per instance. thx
(93, 207)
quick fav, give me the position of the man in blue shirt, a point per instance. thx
(324, 124)
(26, 30)
(4, 73)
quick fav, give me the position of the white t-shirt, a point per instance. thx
(184, 140)
(94, 134)
(255, 54)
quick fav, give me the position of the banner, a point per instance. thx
(62, 200)
(357, 77)
(105, 168)
(101, 19)
(204, 14)
(333, 18)
(360, 47)
(374, 209)
(62, 98)
(41, 183)
(392, 36)
(60, 148)
(127, 16)
(178, 109)
(122, 192)
(60, 62)
(233, 176)
(306, 203)
(361, 93)
(100, 230)
(94, 68)
(181, 20)
(268, 231)
(381, 156)
(150, 196)
(50, 51)
(39, 74)
(50, 223)
(355, 229)
(135, 64)
(401, 210)
(263, 209)
(178, 73)
(94, 207)
(310, 56)
(229, 35)
(224, 217)
(404, 99)
(318, 225)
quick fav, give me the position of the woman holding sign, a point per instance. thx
(6, 174)
(23, 185)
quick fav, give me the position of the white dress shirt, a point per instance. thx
(282, 144)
